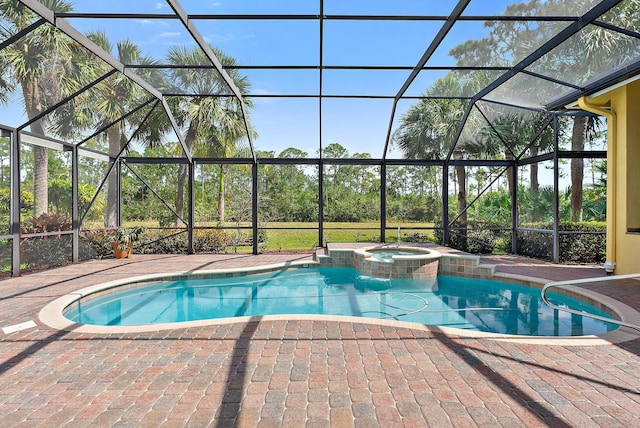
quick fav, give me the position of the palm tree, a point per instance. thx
(36, 62)
(114, 98)
(429, 127)
(222, 142)
(510, 133)
(212, 118)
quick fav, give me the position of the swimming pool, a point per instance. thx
(462, 303)
(388, 253)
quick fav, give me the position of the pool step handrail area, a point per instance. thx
(578, 282)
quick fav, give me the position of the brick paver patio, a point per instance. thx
(300, 373)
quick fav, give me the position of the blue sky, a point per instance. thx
(358, 124)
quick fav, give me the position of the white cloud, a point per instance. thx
(159, 5)
(260, 100)
(260, 91)
(228, 38)
(165, 34)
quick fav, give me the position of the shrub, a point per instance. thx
(46, 251)
(161, 241)
(586, 246)
(536, 244)
(164, 242)
(210, 241)
(166, 219)
(584, 243)
(26, 201)
(479, 238)
(97, 243)
(47, 222)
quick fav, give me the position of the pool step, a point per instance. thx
(321, 253)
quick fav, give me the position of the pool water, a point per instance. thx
(463, 303)
(387, 254)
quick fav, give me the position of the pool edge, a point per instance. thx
(52, 316)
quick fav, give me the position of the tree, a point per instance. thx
(215, 122)
(114, 98)
(511, 134)
(428, 129)
(288, 191)
(37, 63)
(595, 206)
(593, 50)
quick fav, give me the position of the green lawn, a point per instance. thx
(301, 239)
(297, 236)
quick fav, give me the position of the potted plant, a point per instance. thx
(124, 238)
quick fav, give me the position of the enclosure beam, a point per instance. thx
(463, 122)
(426, 56)
(84, 41)
(496, 132)
(65, 100)
(314, 67)
(204, 46)
(176, 129)
(383, 202)
(87, 43)
(75, 210)
(201, 42)
(470, 204)
(514, 209)
(551, 79)
(445, 204)
(20, 34)
(118, 172)
(551, 44)
(536, 159)
(321, 204)
(156, 161)
(556, 190)
(254, 206)
(314, 17)
(15, 203)
(548, 46)
(123, 117)
(617, 76)
(392, 116)
(156, 194)
(320, 153)
(334, 96)
(112, 162)
(191, 208)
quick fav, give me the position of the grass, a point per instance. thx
(303, 236)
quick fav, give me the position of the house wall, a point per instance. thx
(623, 176)
(628, 180)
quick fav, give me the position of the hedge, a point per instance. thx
(480, 238)
(583, 242)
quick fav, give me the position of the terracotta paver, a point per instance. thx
(292, 373)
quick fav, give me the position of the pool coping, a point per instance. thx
(52, 314)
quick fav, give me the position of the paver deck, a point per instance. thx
(300, 373)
